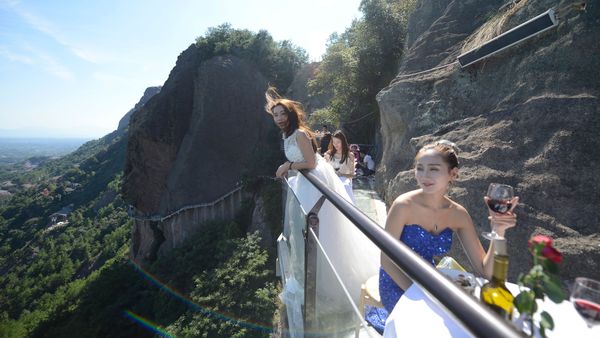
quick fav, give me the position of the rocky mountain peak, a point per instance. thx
(148, 94)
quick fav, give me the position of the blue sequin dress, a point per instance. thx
(424, 243)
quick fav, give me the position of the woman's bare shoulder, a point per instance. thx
(460, 213)
(406, 200)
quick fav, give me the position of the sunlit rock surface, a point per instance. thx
(528, 117)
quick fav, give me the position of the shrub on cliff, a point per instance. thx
(278, 61)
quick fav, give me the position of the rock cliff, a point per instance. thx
(527, 116)
(148, 94)
(191, 145)
(199, 136)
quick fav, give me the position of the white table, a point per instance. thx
(417, 315)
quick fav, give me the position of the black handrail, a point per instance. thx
(478, 319)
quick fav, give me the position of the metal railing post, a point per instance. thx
(310, 267)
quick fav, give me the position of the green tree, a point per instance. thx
(360, 62)
(278, 61)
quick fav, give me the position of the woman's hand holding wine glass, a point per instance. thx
(501, 202)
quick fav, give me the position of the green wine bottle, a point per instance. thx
(494, 293)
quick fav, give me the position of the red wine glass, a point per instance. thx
(585, 296)
(499, 200)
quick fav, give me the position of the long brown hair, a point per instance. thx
(294, 111)
(345, 149)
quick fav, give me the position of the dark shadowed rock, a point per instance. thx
(528, 117)
(199, 136)
(148, 94)
(155, 133)
(190, 147)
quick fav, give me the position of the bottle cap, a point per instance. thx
(500, 246)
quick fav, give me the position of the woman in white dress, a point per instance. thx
(352, 254)
(342, 160)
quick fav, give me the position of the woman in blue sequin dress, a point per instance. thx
(426, 219)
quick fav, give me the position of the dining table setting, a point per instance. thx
(537, 304)
(418, 314)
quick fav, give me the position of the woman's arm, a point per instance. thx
(394, 226)
(482, 262)
(305, 145)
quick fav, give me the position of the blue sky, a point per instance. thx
(74, 68)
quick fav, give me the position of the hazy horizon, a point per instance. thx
(16, 149)
(49, 133)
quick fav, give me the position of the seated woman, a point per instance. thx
(426, 219)
(342, 160)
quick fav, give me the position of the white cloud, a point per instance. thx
(49, 29)
(9, 3)
(110, 79)
(15, 57)
(90, 56)
(48, 63)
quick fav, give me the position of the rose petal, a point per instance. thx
(541, 239)
(552, 254)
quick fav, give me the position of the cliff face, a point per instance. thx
(199, 136)
(528, 117)
(191, 145)
(148, 94)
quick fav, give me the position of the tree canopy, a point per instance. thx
(278, 61)
(360, 62)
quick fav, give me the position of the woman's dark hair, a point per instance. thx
(448, 151)
(294, 111)
(345, 149)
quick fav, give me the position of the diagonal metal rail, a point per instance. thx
(474, 316)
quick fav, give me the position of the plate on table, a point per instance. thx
(465, 280)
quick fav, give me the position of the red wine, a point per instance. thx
(590, 311)
(499, 206)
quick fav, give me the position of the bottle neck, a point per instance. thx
(500, 269)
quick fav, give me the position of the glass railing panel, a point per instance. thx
(290, 249)
(336, 312)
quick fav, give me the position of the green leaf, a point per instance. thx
(553, 289)
(546, 322)
(525, 302)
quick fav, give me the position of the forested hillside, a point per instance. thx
(73, 276)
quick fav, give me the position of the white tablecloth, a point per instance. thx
(417, 315)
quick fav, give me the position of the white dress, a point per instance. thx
(353, 255)
(346, 181)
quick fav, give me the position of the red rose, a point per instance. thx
(540, 239)
(552, 254)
